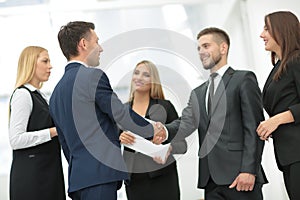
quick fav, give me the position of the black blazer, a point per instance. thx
(280, 96)
(228, 140)
(164, 112)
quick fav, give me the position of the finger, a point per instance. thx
(246, 189)
(128, 135)
(234, 183)
(239, 187)
(163, 134)
(262, 138)
(158, 160)
(251, 187)
(157, 140)
(259, 127)
(159, 125)
(125, 140)
(266, 134)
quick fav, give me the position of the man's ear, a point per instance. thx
(81, 44)
(224, 48)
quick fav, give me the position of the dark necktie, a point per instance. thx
(211, 92)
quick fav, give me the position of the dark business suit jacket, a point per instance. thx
(228, 140)
(280, 96)
(86, 111)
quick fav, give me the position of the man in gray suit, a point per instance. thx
(226, 110)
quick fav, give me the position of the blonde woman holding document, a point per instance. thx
(148, 178)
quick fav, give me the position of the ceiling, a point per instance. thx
(13, 3)
(98, 4)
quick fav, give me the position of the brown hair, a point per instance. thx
(218, 34)
(70, 35)
(284, 27)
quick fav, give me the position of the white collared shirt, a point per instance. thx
(21, 108)
(77, 61)
(217, 80)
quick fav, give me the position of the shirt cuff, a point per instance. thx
(167, 134)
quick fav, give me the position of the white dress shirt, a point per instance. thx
(21, 108)
(217, 80)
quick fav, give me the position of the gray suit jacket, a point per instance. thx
(228, 140)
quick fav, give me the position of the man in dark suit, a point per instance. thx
(86, 112)
(226, 110)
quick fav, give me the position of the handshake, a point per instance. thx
(160, 134)
(149, 147)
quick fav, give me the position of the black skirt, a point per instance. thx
(36, 173)
(144, 186)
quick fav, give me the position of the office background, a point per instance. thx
(127, 22)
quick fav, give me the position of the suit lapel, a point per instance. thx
(270, 78)
(222, 87)
(202, 102)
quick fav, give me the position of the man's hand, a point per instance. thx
(159, 160)
(126, 138)
(243, 182)
(159, 133)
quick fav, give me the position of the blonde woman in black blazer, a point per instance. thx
(281, 95)
(149, 178)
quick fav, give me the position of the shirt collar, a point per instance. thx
(222, 70)
(31, 87)
(77, 61)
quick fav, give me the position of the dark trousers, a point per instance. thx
(106, 191)
(291, 175)
(223, 192)
(161, 187)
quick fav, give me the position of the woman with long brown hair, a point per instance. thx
(281, 96)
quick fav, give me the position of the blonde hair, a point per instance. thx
(156, 91)
(27, 65)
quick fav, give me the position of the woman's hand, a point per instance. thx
(53, 132)
(266, 128)
(126, 138)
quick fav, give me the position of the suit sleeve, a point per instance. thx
(179, 147)
(252, 114)
(110, 104)
(295, 109)
(63, 143)
(184, 126)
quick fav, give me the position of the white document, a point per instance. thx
(148, 148)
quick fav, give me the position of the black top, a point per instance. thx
(39, 165)
(280, 96)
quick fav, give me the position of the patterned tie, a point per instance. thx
(211, 92)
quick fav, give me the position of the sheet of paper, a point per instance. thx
(148, 148)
